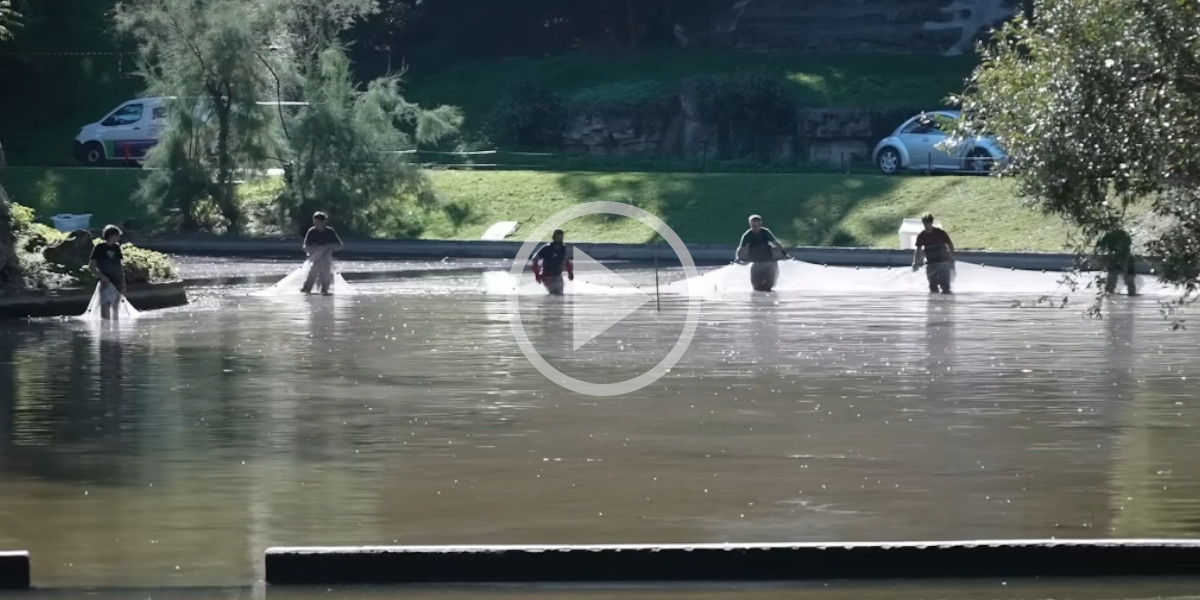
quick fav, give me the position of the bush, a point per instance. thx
(754, 101)
(529, 118)
(32, 239)
(747, 108)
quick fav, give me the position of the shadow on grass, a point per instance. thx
(107, 194)
(801, 209)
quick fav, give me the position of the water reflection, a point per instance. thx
(174, 451)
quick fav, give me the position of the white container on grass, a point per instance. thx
(68, 222)
(909, 229)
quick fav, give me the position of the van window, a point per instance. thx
(126, 115)
(160, 112)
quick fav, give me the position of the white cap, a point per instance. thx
(753, 217)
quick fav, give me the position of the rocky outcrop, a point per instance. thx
(71, 253)
(933, 26)
(623, 130)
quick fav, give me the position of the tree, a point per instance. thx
(9, 19)
(1098, 104)
(208, 56)
(344, 144)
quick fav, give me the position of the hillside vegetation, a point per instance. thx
(833, 80)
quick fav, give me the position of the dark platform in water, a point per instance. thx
(731, 562)
(74, 301)
(14, 570)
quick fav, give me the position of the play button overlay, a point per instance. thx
(586, 325)
(595, 312)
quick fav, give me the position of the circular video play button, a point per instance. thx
(590, 322)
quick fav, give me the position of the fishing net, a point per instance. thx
(292, 283)
(122, 310)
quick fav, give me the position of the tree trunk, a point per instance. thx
(226, 193)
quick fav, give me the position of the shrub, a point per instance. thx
(141, 265)
(755, 101)
(529, 117)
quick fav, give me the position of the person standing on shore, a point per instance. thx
(758, 247)
(320, 243)
(105, 263)
(550, 261)
(934, 249)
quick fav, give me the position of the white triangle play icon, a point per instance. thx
(593, 315)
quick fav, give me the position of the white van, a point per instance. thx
(125, 134)
(129, 131)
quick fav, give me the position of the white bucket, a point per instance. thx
(909, 229)
(68, 222)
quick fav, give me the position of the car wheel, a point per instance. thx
(93, 154)
(888, 161)
(979, 162)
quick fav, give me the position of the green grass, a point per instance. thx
(105, 193)
(802, 209)
(834, 80)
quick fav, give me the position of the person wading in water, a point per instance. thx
(106, 264)
(1115, 250)
(549, 262)
(320, 243)
(936, 251)
(758, 247)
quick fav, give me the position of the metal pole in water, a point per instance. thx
(657, 295)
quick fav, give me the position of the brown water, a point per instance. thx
(171, 452)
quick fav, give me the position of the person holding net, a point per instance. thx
(935, 249)
(320, 243)
(106, 264)
(763, 250)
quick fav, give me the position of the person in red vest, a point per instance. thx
(549, 263)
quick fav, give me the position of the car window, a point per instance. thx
(126, 115)
(160, 112)
(924, 126)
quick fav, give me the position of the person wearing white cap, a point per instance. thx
(759, 247)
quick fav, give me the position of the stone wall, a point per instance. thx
(673, 127)
(949, 27)
(624, 131)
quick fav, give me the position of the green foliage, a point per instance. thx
(1098, 102)
(176, 192)
(32, 239)
(20, 218)
(754, 101)
(529, 117)
(345, 146)
(745, 107)
(140, 266)
(911, 82)
(212, 57)
(9, 20)
(621, 94)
